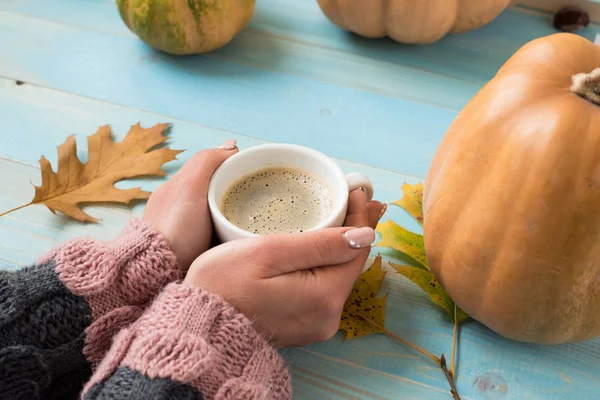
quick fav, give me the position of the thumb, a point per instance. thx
(275, 255)
(300, 251)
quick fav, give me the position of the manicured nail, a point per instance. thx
(229, 145)
(360, 237)
(362, 189)
(383, 210)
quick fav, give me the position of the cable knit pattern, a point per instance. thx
(126, 384)
(86, 305)
(196, 338)
(130, 270)
(41, 336)
(99, 335)
(117, 279)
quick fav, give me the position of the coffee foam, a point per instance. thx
(277, 200)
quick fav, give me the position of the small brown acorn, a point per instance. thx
(571, 19)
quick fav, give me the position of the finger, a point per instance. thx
(275, 255)
(375, 211)
(338, 280)
(301, 251)
(196, 173)
(357, 209)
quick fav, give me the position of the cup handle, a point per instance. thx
(357, 180)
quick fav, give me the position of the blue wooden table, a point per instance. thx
(291, 76)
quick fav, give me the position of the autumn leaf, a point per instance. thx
(412, 201)
(412, 244)
(363, 302)
(360, 318)
(427, 282)
(75, 183)
(396, 237)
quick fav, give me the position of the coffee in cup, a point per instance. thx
(238, 192)
(277, 200)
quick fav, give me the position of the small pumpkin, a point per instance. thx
(411, 21)
(512, 197)
(183, 27)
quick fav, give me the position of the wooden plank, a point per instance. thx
(370, 367)
(474, 56)
(368, 128)
(489, 366)
(281, 24)
(35, 230)
(333, 67)
(315, 374)
(254, 87)
(338, 115)
(59, 114)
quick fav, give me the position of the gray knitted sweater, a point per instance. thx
(110, 320)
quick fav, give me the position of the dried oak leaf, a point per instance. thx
(412, 201)
(108, 162)
(363, 301)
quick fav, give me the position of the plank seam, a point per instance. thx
(252, 31)
(405, 176)
(12, 262)
(353, 364)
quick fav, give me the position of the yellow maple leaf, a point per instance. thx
(427, 282)
(363, 302)
(75, 183)
(412, 201)
(396, 237)
(412, 244)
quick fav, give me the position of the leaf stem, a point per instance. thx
(440, 362)
(452, 370)
(409, 344)
(449, 377)
(14, 209)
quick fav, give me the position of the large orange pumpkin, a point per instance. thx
(512, 197)
(412, 21)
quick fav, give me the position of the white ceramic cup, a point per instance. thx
(289, 156)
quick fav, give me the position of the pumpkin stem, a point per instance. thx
(588, 86)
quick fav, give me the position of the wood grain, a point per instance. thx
(377, 107)
(252, 90)
(313, 113)
(59, 114)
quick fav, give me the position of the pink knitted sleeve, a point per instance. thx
(117, 279)
(196, 338)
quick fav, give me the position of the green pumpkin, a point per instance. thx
(186, 26)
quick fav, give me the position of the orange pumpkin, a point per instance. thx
(412, 21)
(512, 197)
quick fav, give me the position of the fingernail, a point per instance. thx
(362, 189)
(383, 210)
(229, 145)
(360, 237)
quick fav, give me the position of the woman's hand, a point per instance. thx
(178, 209)
(293, 286)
